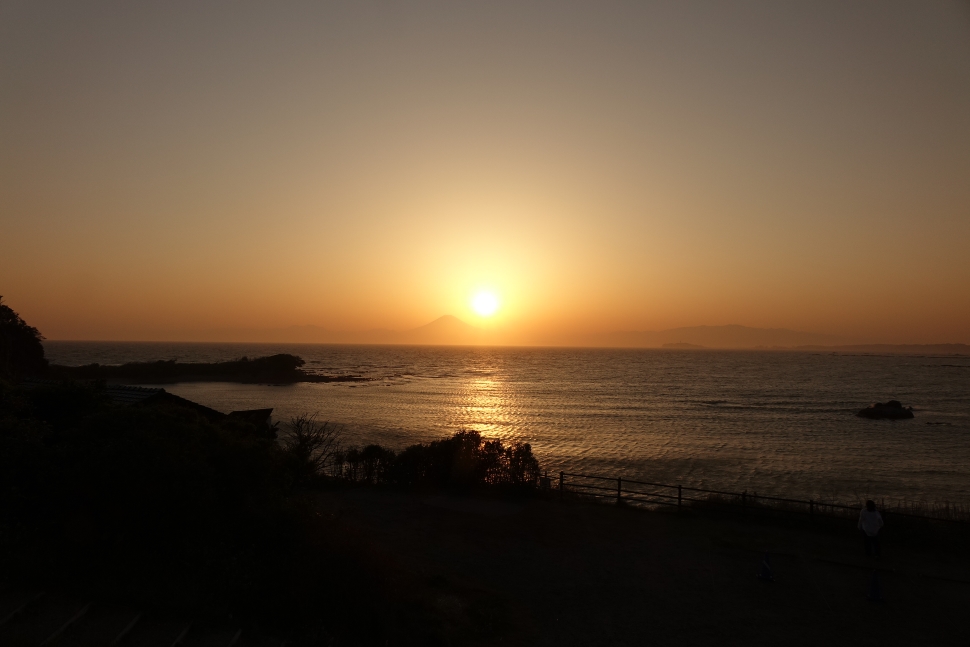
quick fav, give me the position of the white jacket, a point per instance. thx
(870, 522)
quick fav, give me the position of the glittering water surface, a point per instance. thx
(779, 422)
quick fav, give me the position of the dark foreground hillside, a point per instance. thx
(541, 572)
(215, 526)
(156, 508)
(416, 569)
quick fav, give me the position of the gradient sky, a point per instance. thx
(168, 168)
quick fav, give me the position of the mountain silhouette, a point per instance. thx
(730, 336)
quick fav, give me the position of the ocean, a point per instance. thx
(779, 423)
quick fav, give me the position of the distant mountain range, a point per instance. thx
(731, 336)
(449, 330)
(907, 349)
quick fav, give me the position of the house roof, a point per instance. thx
(125, 395)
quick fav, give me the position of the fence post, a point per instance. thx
(561, 474)
(619, 489)
(680, 496)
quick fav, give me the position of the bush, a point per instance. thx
(467, 461)
(464, 461)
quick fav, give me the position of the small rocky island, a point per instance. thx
(892, 410)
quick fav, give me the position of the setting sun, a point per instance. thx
(485, 304)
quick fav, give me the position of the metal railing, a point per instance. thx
(676, 495)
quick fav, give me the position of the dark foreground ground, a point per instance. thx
(545, 572)
(551, 573)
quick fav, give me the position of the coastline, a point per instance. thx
(781, 423)
(275, 369)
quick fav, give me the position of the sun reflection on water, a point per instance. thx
(487, 405)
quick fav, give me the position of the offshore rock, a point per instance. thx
(893, 410)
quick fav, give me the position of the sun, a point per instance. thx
(485, 304)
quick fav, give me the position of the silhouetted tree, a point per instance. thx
(21, 351)
(376, 462)
(312, 446)
(464, 461)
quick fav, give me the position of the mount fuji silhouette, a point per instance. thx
(443, 330)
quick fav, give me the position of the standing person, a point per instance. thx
(870, 522)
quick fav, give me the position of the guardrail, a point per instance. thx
(676, 495)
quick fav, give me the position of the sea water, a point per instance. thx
(778, 423)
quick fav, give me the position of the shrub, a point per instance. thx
(465, 461)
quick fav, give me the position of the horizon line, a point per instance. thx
(674, 346)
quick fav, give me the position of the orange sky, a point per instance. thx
(600, 166)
